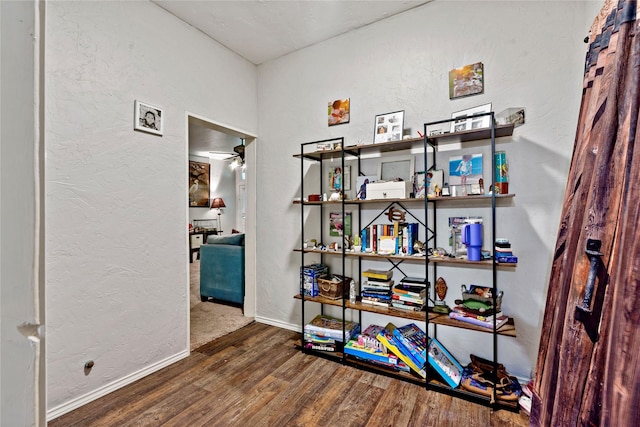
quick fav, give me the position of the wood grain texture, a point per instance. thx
(582, 359)
(256, 377)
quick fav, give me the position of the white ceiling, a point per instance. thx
(267, 29)
(263, 30)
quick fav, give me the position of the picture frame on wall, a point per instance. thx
(340, 180)
(397, 169)
(466, 81)
(199, 176)
(148, 118)
(388, 127)
(467, 120)
(339, 111)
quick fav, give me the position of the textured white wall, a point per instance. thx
(116, 216)
(21, 358)
(533, 55)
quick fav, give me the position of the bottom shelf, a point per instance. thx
(432, 383)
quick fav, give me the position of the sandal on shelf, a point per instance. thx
(478, 377)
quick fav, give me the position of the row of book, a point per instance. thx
(387, 239)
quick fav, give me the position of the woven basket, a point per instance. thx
(333, 289)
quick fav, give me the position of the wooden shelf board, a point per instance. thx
(473, 135)
(508, 329)
(458, 199)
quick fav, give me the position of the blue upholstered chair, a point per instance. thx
(222, 268)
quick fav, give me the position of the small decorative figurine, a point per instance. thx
(418, 247)
(441, 291)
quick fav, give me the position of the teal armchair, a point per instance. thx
(222, 268)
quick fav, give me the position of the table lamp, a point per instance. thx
(218, 203)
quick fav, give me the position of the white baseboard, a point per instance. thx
(69, 406)
(290, 326)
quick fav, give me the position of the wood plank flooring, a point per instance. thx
(256, 377)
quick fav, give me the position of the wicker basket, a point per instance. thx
(332, 287)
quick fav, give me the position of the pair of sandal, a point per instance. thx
(478, 377)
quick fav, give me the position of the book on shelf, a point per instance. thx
(386, 337)
(406, 307)
(487, 315)
(408, 299)
(375, 301)
(500, 320)
(331, 348)
(377, 284)
(378, 274)
(410, 290)
(330, 327)
(444, 363)
(415, 281)
(369, 354)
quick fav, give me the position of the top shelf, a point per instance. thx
(405, 144)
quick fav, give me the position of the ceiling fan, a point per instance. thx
(237, 155)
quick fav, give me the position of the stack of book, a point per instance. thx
(474, 317)
(504, 253)
(367, 348)
(324, 333)
(410, 294)
(376, 290)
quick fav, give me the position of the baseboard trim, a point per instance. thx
(108, 388)
(290, 326)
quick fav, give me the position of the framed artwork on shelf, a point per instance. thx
(388, 127)
(147, 118)
(425, 184)
(198, 184)
(465, 119)
(338, 111)
(339, 226)
(361, 185)
(399, 169)
(340, 180)
(465, 169)
(466, 81)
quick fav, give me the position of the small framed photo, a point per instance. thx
(465, 169)
(361, 185)
(338, 111)
(425, 184)
(466, 120)
(466, 81)
(147, 118)
(340, 180)
(388, 127)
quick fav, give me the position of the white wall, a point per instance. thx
(116, 216)
(21, 384)
(533, 55)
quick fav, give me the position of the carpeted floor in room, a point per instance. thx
(210, 320)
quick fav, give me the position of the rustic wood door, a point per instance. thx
(588, 369)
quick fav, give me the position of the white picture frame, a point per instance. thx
(398, 168)
(148, 118)
(339, 181)
(388, 127)
(465, 120)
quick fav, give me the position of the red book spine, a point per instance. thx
(374, 238)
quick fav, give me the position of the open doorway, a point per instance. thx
(225, 210)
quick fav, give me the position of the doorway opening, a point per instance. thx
(228, 210)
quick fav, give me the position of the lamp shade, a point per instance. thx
(217, 203)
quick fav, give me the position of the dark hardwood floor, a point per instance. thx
(257, 377)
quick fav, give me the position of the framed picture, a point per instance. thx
(340, 180)
(465, 169)
(424, 184)
(147, 118)
(338, 111)
(465, 119)
(338, 226)
(388, 127)
(398, 169)
(467, 80)
(198, 184)
(361, 185)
